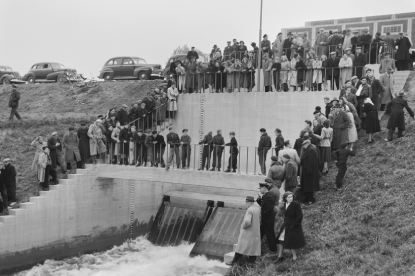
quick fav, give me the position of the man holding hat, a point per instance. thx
(402, 54)
(267, 201)
(333, 71)
(342, 155)
(397, 117)
(70, 144)
(14, 103)
(386, 62)
(10, 181)
(321, 42)
(387, 81)
(359, 63)
(249, 241)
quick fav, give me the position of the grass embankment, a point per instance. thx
(368, 228)
(48, 107)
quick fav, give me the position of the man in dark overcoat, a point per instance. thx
(333, 71)
(139, 139)
(264, 146)
(55, 148)
(359, 62)
(342, 155)
(14, 103)
(364, 40)
(310, 172)
(70, 143)
(207, 143)
(122, 115)
(397, 117)
(192, 54)
(218, 143)
(402, 54)
(4, 200)
(267, 202)
(233, 153)
(84, 143)
(10, 181)
(341, 122)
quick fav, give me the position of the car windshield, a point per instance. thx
(5, 68)
(139, 60)
(58, 66)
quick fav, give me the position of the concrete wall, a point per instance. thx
(245, 113)
(97, 208)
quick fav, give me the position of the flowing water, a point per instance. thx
(136, 258)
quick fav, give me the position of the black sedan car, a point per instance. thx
(8, 76)
(127, 68)
(45, 72)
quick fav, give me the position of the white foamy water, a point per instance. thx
(136, 258)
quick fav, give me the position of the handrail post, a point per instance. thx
(247, 153)
(255, 160)
(239, 162)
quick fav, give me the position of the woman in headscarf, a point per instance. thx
(267, 72)
(276, 69)
(351, 130)
(346, 65)
(291, 234)
(372, 119)
(317, 74)
(38, 144)
(309, 75)
(285, 70)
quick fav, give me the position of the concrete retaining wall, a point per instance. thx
(91, 211)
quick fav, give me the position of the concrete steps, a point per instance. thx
(400, 80)
(201, 199)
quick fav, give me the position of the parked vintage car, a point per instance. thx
(8, 76)
(125, 68)
(45, 72)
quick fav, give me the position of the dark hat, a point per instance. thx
(334, 100)
(253, 44)
(241, 42)
(316, 112)
(347, 81)
(377, 33)
(263, 130)
(274, 158)
(337, 106)
(214, 46)
(154, 132)
(318, 108)
(343, 145)
(250, 199)
(193, 47)
(286, 156)
(264, 35)
(269, 181)
(228, 41)
(363, 78)
(263, 185)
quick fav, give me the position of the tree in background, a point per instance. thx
(184, 49)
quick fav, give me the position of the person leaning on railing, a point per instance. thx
(333, 70)
(174, 141)
(207, 143)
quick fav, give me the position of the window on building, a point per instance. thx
(393, 29)
(359, 29)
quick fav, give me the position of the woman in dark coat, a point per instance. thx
(83, 143)
(310, 172)
(291, 234)
(372, 119)
(301, 72)
(397, 117)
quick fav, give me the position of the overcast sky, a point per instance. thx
(84, 34)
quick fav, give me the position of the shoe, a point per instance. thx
(218, 170)
(167, 168)
(234, 171)
(280, 259)
(212, 169)
(162, 166)
(228, 170)
(200, 169)
(230, 263)
(45, 189)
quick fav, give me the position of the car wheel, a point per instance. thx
(107, 77)
(143, 75)
(5, 81)
(31, 80)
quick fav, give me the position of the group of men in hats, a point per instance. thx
(8, 197)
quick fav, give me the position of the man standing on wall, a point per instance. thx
(321, 42)
(4, 201)
(174, 141)
(402, 54)
(55, 148)
(185, 142)
(160, 147)
(264, 146)
(218, 143)
(14, 103)
(360, 62)
(70, 143)
(390, 42)
(233, 153)
(207, 150)
(140, 148)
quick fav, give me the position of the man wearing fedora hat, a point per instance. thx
(386, 62)
(14, 103)
(321, 42)
(267, 201)
(359, 62)
(249, 241)
(397, 117)
(402, 54)
(333, 71)
(55, 148)
(387, 81)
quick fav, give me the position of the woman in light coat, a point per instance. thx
(285, 70)
(249, 241)
(42, 162)
(172, 95)
(293, 73)
(38, 143)
(346, 68)
(325, 145)
(351, 131)
(317, 74)
(181, 72)
(115, 138)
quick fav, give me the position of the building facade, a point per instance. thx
(393, 23)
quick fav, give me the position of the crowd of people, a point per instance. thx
(293, 63)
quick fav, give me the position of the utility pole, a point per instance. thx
(259, 51)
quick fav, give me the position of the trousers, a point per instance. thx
(233, 161)
(206, 155)
(159, 155)
(172, 152)
(340, 176)
(217, 158)
(49, 171)
(4, 200)
(262, 156)
(186, 151)
(13, 113)
(141, 154)
(391, 131)
(267, 229)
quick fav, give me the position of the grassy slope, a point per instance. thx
(48, 107)
(369, 227)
